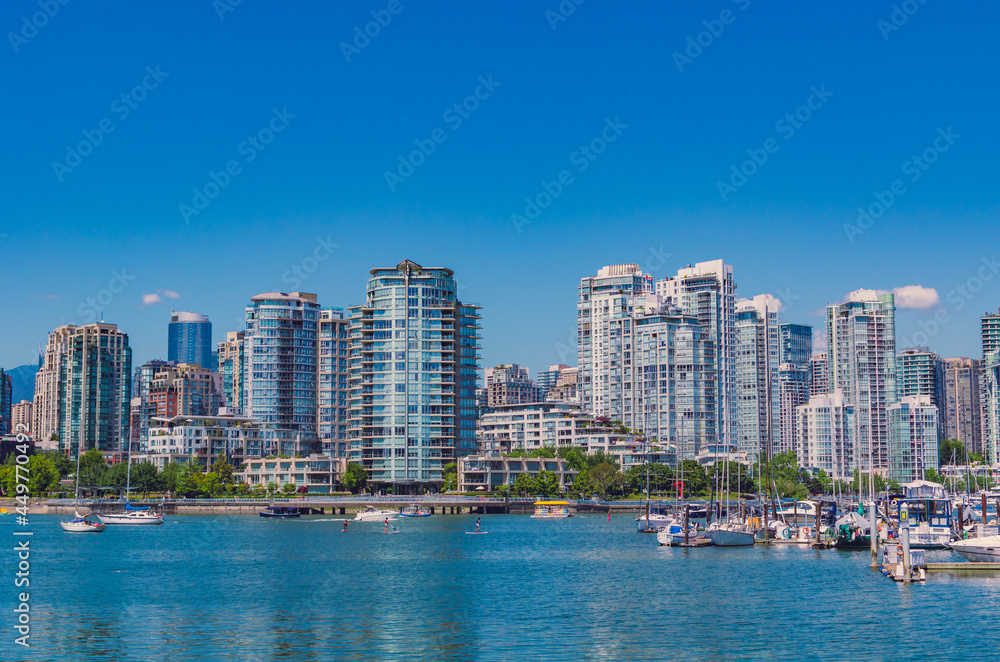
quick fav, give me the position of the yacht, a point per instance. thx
(801, 513)
(373, 514)
(979, 549)
(133, 515)
(928, 516)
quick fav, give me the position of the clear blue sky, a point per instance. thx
(654, 190)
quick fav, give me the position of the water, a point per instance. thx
(218, 587)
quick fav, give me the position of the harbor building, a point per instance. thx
(862, 365)
(414, 370)
(6, 404)
(282, 361)
(83, 389)
(189, 339)
(960, 408)
(913, 438)
(824, 430)
(707, 291)
(333, 409)
(232, 369)
(510, 385)
(819, 378)
(488, 472)
(796, 344)
(21, 416)
(793, 392)
(758, 423)
(314, 474)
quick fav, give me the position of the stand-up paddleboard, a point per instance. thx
(476, 533)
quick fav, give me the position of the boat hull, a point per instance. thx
(280, 515)
(724, 538)
(81, 527)
(981, 550)
(132, 520)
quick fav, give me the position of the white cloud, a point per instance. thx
(157, 297)
(50, 297)
(916, 297)
(170, 294)
(148, 299)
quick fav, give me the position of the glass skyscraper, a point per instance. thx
(414, 369)
(796, 344)
(757, 395)
(189, 340)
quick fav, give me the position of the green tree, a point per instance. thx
(574, 457)
(355, 478)
(288, 488)
(449, 474)
(93, 469)
(146, 479)
(952, 447)
(211, 485)
(61, 463)
(605, 479)
(189, 483)
(546, 451)
(524, 485)
(694, 478)
(547, 483)
(171, 476)
(42, 476)
(224, 470)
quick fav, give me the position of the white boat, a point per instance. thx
(731, 534)
(133, 515)
(373, 514)
(979, 549)
(657, 520)
(928, 516)
(801, 513)
(83, 524)
(673, 533)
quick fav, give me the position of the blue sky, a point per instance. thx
(273, 82)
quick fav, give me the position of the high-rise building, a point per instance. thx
(232, 368)
(756, 395)
(142, 382)
(913, 439)
(281, 361)
(184, 389)
(189, 339)
(960, 408)
(708, 292)
(334, 350)
(6, 397)
(819, 378)
(793, 391)
(920, 372)
(547, 379)
(862, 364)
(990, 394)
(796, 344)
(21, 415)
(414, 370)
(604, 301)
(824, 434)
(510, 385)
(82, 390)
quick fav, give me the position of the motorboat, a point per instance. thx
(731, 534)
(799, 514)
(373, 514)
(551, 510)
(281, 512)
(851, 532)
(415, 510)
(133, 515)
(656, 519)
(928, 514)
(83, 524)
(673, 533)
(979, 549)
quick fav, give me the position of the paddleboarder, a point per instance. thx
(387, 525)
(478, 519)
(345, 526)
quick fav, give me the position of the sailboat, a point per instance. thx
(132, 514)
(79, 523)
(730, 533)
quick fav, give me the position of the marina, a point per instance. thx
(437, 593)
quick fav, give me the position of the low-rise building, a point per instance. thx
(492, 471)
(319, 474)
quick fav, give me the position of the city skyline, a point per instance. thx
(838, 135)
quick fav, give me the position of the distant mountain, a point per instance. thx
(23, 380)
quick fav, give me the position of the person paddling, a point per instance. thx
(345, 526)
(387, 525)
(478, 519)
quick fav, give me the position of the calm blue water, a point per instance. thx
(244, 588)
